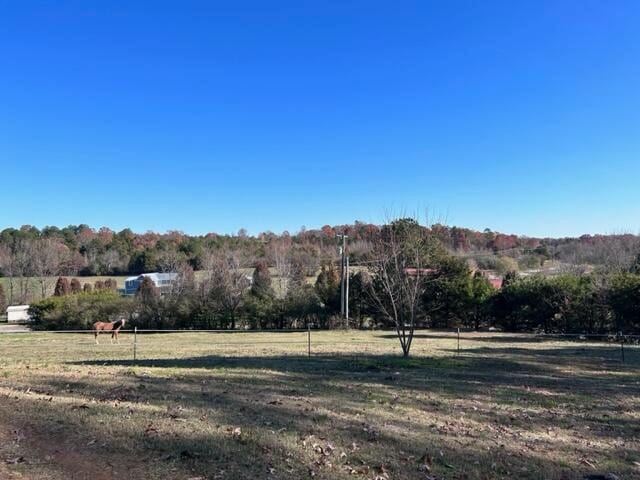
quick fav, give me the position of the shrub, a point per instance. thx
(62, 287)
(79, 311)
(75, 286)
(624, 300)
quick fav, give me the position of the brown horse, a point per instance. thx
(113, 327)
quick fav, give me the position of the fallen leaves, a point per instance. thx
(372, 432)
(150, 430)
(174, 411)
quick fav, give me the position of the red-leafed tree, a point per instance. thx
(75, 286)
(62, 287)
(3, 299)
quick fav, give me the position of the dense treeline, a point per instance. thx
(408, 275)
(563, 304)
(450, 296)
(81, 250)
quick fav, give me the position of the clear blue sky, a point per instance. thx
(520, 116)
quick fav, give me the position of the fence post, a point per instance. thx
(458, 340)
(622, 346)
(309, 337)
(135, 342)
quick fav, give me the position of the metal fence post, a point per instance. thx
(135, 342)
(458, 340)
(309, 337)
(622, 346)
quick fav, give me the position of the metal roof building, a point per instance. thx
(161, 280)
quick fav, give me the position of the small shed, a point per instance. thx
(18, 314)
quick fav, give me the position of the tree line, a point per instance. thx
(408, 280)
(31, 258)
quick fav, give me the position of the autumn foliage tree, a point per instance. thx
(75, 286)
(62, 287)
(3, 300)
(261, 281)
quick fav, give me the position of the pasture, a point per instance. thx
(34, 289)
(254, 405)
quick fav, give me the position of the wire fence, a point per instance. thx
(199, 346)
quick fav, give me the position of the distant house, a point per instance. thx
(415, 272)
(163, 281)
(18, 314)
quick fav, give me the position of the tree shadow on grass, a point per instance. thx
(277, 402)
(259, 450)
(475, 337)
(587, 357)
(534, 381)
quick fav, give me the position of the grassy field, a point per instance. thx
(35, 292)
(254, 405)
(35, 288)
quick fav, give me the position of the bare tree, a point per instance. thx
(6, 265)
(110, 261)
(399, 262)
(281, 252)
(223, 284)
(46, 261)
(170, 260)
(18, 266)
(229, 284)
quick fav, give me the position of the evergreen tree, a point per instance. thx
(75, 286)
(261, 285)
(3, 300)
(62, 287)
(147, 292)
(328, 287)
(148, 296)
(298, 277)
(635, 266)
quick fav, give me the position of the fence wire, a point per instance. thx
(207, 345)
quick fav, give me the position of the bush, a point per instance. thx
(78, 312)
(75, 286)
(563, 304)
(3, 300)
(62, 287)
(624, 300)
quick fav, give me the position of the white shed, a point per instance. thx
(18, 314)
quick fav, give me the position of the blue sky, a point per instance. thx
(523, 117)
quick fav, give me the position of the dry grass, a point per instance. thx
(253, 405)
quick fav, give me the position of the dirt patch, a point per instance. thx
(30, 452)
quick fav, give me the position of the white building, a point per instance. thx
(18, 314)
(161, 280)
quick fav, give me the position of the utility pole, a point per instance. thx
(346, 294)
(344, 279)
